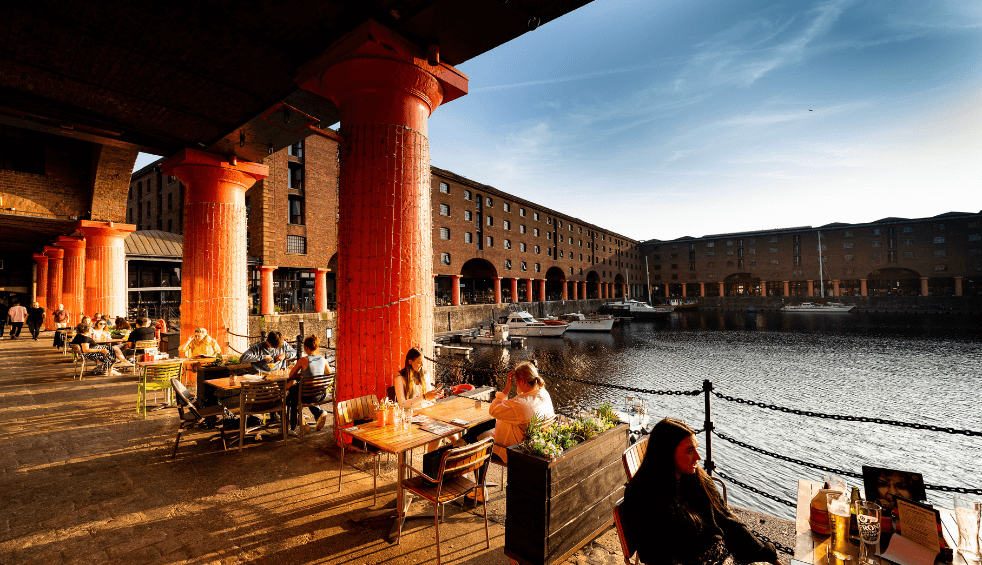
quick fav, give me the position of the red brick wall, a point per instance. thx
(64, 190)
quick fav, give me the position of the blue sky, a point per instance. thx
(664, 118)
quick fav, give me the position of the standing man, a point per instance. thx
(3, 316)
(60, 316)
(18, 315)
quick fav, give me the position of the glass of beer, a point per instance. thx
(839, 546)
(868, 521)
(968, 516)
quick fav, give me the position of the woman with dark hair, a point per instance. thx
(310, 365)
(673, 512)
(413, 389)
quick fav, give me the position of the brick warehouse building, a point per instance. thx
(937, 256)
(483, 238)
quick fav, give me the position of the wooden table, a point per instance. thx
(458, 408)
(813, 548)
(395, 439)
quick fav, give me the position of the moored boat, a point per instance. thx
(577, 322)
(683, 303)
(634, 310)
(815, 308)
(522, 323)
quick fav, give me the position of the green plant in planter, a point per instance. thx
(551, 441)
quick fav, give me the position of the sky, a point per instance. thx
(669, 118)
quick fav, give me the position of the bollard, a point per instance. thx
(708, 464)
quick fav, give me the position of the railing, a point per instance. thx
(457, 373)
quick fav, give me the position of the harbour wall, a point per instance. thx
(965, 305)
(455, 318)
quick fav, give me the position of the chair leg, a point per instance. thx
(487, 532)
(222, 431)
(436, 516)
(242, 421)
(283, 423)
(375, 482)
(178, 440)
(341, 466)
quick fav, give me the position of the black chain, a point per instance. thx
(756, 490)
(582, 381)
(723, 436)
(779, 546)
(962, 490)
(843, 418)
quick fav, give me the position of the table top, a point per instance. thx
(458, 408)
(225, 384)
(394, 439)
(184, 360)
(812, 547)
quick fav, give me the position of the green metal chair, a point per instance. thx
(156, 377)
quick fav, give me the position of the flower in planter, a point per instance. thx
(551, 441)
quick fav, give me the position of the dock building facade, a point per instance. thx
(488, 246)
(936, 256)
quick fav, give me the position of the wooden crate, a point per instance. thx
(556, 507)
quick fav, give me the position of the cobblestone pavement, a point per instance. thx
(85, 479)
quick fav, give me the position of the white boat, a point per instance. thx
(635, 310)
(814, 308)
(577, 322)
(497, 334)
(523, 324)
(635, 414)
(823, 307)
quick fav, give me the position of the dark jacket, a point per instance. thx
(662, 532)
(35, 314)
(140, 334)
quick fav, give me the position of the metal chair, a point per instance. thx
(156, 377)
(79, 360)
(451, 482)
(312, 387)
(195, 417)
(143, 346)
(261, 397)
(346, 413)
(626, 546)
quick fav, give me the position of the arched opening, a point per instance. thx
(591, 285)
(741, 284)
(477, 282)
(555, 279)
(619, 286)
(894, 281)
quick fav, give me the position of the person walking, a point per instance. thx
(3, 317)
(18, 315)
(35, 319)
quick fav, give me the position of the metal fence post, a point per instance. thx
(708, 464)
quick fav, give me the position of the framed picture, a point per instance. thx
(883, 486)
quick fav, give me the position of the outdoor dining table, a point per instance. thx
(813, 548)
(459, 411)
(395, 439)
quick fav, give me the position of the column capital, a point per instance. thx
(53, 252)
(39, 257)
(268, 268)
(373, 55)
(192, 157)
(321, 270)
(71, 243)
(90, 228)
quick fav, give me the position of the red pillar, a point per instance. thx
(958, 285)
(722, 289)
(624, 290)
(565, 286)
(835, 288)
(924, 289)
(702, 289)
(320, 290)
(583, 289)
(528, 290)
(42, 280)
(787, 288)
(497, 290)
(455, 289)
(542, 290)
(385, 91)
(56, 258)
(105, 266)
(266, 304)
(514, 290)
(575, 286)
(73, 276)
(214, 279)
(862, 287)
(811, 288)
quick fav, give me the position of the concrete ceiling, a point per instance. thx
(161, 76)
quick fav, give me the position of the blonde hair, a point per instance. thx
(528, 373)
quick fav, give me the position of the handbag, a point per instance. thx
(431, 463)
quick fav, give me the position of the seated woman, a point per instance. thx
(512, 415)
(673, 513)
(413, 389)
(201, 345)
(122, 327)
(100, 331)
(311, 365)
(91, 350)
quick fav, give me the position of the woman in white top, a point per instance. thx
(512, 415)
(413, 389)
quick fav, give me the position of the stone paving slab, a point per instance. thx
(86, 480)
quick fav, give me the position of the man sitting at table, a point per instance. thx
(273, 354)
(142, 333)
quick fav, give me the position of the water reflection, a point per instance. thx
(913, 368)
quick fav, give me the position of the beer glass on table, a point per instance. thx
(838, 505)
(868, 521)
(968, 515)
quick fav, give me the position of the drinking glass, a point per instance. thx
(407, 418)
(868, 520)
(968, 514)
(839, 546)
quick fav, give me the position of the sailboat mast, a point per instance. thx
(647, 278)
(821, 275)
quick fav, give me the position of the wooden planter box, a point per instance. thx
(556, 507)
